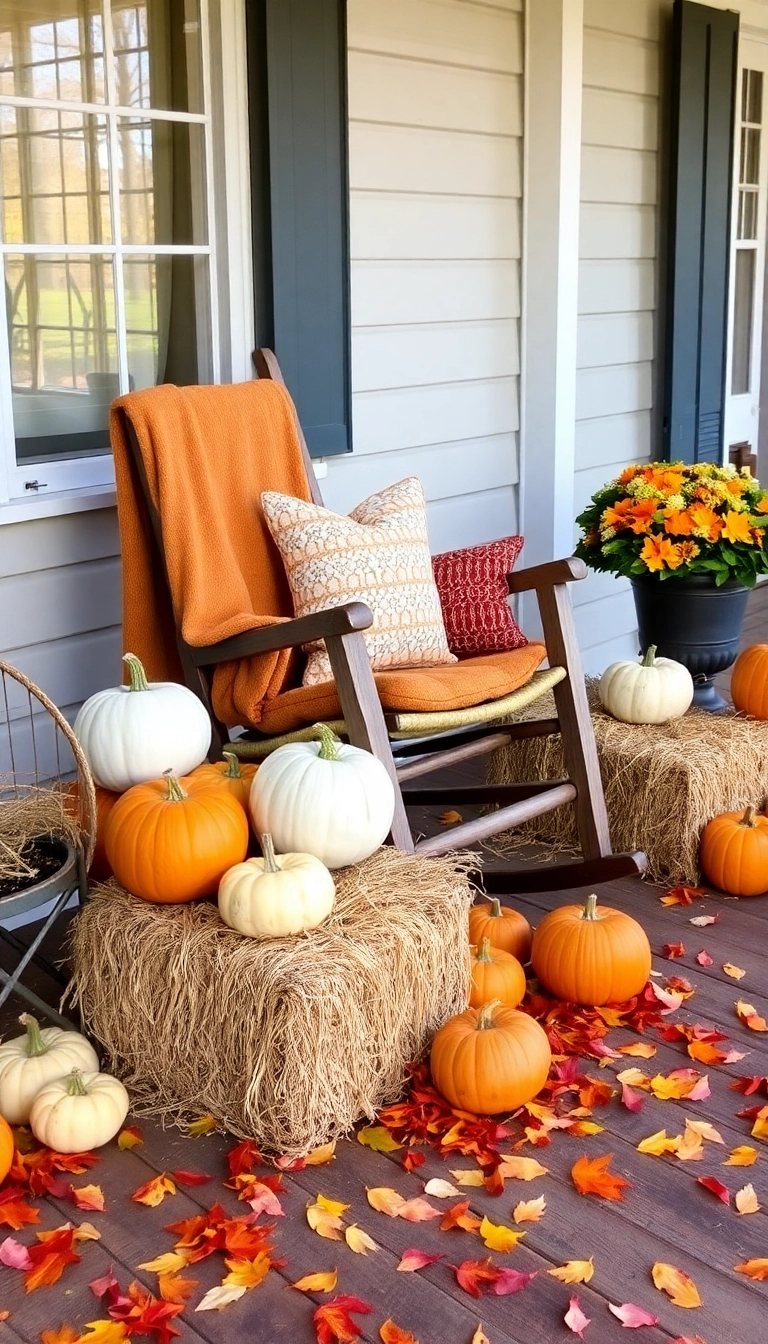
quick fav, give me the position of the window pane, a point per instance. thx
(742, 320)
(750, 155)
(54, 171)
(158, 54)
(162, 181)
(61, 322)
(167, 320)
(753, 110)
(52, 49)
(747, 221)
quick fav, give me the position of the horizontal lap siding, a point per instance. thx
(618, 283)
(435, 142)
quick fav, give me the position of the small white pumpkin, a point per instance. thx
(78, 1112)
(30, 1061)
(131, 734)
(274, 897)
(323, 798)
(653, 691)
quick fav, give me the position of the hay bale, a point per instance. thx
(286, 1041)
(662, 783)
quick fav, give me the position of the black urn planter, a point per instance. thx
(694, 622)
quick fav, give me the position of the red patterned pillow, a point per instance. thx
(473, 595)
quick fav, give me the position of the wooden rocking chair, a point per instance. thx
(409, 750)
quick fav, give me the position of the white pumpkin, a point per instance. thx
(276, 896)
(653, 691)
(79, 1112)
(30, 1061)
(131, 734)
(323, 798)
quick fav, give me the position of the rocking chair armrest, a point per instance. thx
(549, 575)
(344, 620)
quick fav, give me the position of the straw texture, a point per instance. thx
(286, 1041)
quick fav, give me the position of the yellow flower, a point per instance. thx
(688, 550)
(736, 527)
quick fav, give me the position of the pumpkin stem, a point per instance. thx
(268, 850)
(35, 1043)
(590, 908)
(495, 912)
(484, 951)
(76, 1085)
(138, 675)
(233, 765)
(329, 742)
(749, 817)
(650, 656)
(175, 792)
(485, 1015)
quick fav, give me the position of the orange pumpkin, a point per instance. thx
(734, 852)
(496, 975)
(591, 954)
(504, 928)
(172, 840)
(6, 1148)
(749, 681)
(490, 1059)
(234, 775)
(105, 800)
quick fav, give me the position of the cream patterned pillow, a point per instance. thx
(378, 555)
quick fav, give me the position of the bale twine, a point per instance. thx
(662, 783)
(285, 1041)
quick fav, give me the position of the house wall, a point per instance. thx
(435, 134)
(620, 279)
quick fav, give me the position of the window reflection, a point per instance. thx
(158, 54)
(52, 49)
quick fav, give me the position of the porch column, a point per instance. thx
(553, 84)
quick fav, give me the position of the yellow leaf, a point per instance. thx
(519, 1168)
(583, 1127)
(317, 1283)
(450, 818)
(103, 1332)
(480, 1336)
(742, 1156)
(659, 1143)
(440, 1189)
(221, 1296)
(634, 1077)
(174, 1288)
(643, 1049)
(386, 1200)
(333, 1206)
(205, 1125)
(247, 1273)
(679, 1286)
(745, 1200)
(167, 1263)
(750, 1016)
(759, 1129)
(691, 1146)
(86, 1232)
(154, 1192)
(378, 1138)
(468, 1176)
(497, 1237)
(574, 1271)
(669, 1089)
(735, 972)
(318, 1157)
(359, 1241)
(705, 1130)
(529, 1210)
(325, 1224)
(130, 1137)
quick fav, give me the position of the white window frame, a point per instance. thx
(77, 483)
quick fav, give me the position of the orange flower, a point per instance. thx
(736, 527)
(762, 505)
(660, 553)
(618, 515)
(642, 515)
(688, 550)
(678, 521)
(706, 523)
(669, 481)
(627, 475)
(737, 486)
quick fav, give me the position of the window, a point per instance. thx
(106, 226)
(746, 229)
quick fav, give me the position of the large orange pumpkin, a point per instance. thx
(496, 974)
(105, 800)
(6, 1148)
(232, 774)
(734, 852)
(172, 840)
(490, 1059)
(503, 927)
(749, 681)
(591, 954)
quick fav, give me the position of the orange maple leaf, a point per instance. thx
(749, 1015)
(682, 895)
(145, 1314)
(754, 1269)
(64, 1335)
(390, 1333)
(459, 1216)
(88, 1197)
(50, 1257)
(333, 1321)
(14, 1211)
(592, 1177)
(154, 1192)
(175, 1288)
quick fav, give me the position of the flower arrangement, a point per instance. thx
(673, 519)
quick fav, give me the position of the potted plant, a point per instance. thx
(691, 539)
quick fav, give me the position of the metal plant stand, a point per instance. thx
(42, 768)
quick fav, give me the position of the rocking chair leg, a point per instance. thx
(578, 734)
(363, 716)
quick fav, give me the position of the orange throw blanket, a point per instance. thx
(207, 453)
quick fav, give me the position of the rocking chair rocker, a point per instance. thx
(407, 743)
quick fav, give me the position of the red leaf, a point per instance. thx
(704, 958)
(244, 1157)
(14, 1211)
(511, 1281)
(412, 1160)
(414, 1259)
(633, 1101)
(471, 1275)
(682, 895)
(632, 1317)
(333, 1321)
(575, 1319)
(145, 1314)
(14, 1255)
(673, 950)
(717, 1187)
(191, 1177)
(50, 1258)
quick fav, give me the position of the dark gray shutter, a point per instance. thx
(705, 48)
(297, 73)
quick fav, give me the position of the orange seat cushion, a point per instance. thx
(421, 690)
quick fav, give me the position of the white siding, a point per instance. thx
(618, 283)
(435, 137)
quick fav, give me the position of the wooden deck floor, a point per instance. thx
(665, 1216)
